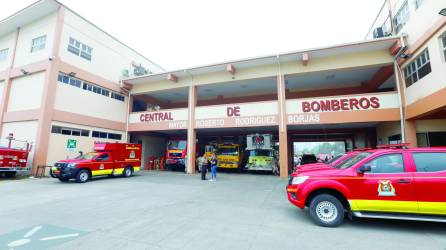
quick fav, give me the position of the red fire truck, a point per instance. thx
(14, 156)
(176, 153)
(112, 159)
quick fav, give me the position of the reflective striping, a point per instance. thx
(432, 207)
(136, 169)
(118, 171)
(101, 172)
(384, 206)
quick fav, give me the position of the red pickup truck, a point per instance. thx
(391, 183)
(112, 159)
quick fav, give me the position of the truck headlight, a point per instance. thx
(299, 180)
(71, 165)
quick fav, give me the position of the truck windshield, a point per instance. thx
(352, 161)
(261, 153)
(228, 151)
(176, 145)
(334, 159)
(87, 156)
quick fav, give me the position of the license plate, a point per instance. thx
(57, 172)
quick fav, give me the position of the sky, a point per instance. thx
(179, 34)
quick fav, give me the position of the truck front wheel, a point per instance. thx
(128, 171)
(82, 176)
(326, 210)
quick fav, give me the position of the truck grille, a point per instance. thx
(60, 165)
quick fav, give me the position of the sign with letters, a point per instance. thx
(237, 115)
(159, 120)
(339, 109)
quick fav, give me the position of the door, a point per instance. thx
(105, 165)
(387, 187)
(430, 181)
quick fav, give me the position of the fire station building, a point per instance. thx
(388, 88)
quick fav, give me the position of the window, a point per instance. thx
(430, 162)
(79, 49)
(391, 163)
(394, 139)
(3, 54)
(418, 3)
(401, 17)
(443, 43)
(117, 96)
(69, 131)
(114, 136)
(38, 43)
(63, 78)
(96, 89)
(98, 134)
(418, 68)
(105, 135)
(103, 157)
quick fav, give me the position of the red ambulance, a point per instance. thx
(107, 159)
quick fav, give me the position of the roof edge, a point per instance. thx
(270, 56)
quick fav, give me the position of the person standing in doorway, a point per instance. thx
(203, 165)
(214, 168)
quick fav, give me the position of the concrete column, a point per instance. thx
(48, 97)
(410, 133)
(283, 135)
(191, 133)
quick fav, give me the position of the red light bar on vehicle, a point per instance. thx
(362, 149)
(396, 145)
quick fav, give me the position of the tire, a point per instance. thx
(128, 171)
(326, 210)
(62, 179)
(82, 176)
(10, 174)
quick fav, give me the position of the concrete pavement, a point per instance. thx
(165, 210)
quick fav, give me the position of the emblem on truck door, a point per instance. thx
(132, 154)
(385, 188)
(101, 166)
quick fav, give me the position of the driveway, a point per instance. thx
(165, 210)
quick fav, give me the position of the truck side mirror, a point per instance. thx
(364, 168)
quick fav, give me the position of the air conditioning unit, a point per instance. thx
(125, 73)
(139, 71)
(378, 32)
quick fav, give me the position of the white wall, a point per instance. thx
(26, 92)
(7, 42)
(2, 86)
(435, 80)
(57, 148)
(109, 57)
(80, 101)
(45, 26)
(151, 146)
(22, 131)
(386, 129)
(420, 19)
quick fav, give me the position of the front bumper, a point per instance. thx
(174, 161)
(13, 169)
(259, 167)
(63, 172)
(294, 197)
(227, 165)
